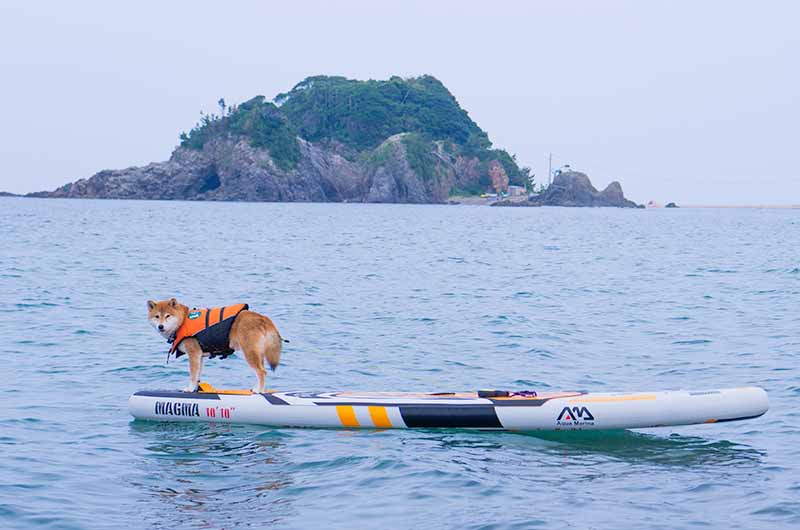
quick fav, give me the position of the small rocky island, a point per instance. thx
(573, 188)
(332, 139)
(329, 139)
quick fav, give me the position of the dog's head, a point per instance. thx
(166, 316)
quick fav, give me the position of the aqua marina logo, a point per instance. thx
(574, 416)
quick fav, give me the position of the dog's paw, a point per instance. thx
(190, 389)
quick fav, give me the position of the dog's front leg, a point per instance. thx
(195, 366)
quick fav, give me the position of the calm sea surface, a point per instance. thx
(391, 297)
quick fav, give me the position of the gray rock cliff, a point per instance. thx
(231, 169)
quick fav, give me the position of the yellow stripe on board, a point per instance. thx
(379, 417)
(611, 399)
(208, 389)
(347, 415)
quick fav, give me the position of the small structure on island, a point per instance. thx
(516, 191)
(566, 168)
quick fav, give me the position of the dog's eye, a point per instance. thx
(166, 316)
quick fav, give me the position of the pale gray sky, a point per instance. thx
(696, 101)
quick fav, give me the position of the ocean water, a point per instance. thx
(394, 297)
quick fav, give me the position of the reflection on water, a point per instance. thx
(672, 450)
(209, 474)
(218, 475)
(628, 446)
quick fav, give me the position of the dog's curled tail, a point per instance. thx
(273, 351)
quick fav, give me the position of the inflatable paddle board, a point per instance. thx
(498, 410)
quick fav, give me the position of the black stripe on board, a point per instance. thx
(740, 419)
(175, 394)
(520, 402)
(476, 417)
(275, 400)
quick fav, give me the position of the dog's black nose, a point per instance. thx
(161, 327)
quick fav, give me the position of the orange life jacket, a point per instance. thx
(211, 327)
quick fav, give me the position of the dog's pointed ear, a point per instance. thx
(173, 302)
(151, 304)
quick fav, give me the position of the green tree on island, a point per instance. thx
(358, 116)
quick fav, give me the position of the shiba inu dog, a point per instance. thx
(216, 331)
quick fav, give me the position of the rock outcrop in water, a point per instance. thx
(573, 188)
(331, 139)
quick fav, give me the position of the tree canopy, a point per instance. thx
(362, 114)
(359, 115)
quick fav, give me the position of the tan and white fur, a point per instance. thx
(252, 334)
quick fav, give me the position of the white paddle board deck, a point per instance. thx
(547, 411)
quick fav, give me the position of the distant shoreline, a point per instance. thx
(745, 206)
(472, 200)
(456, 200)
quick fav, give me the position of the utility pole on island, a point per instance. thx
(550, 170)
